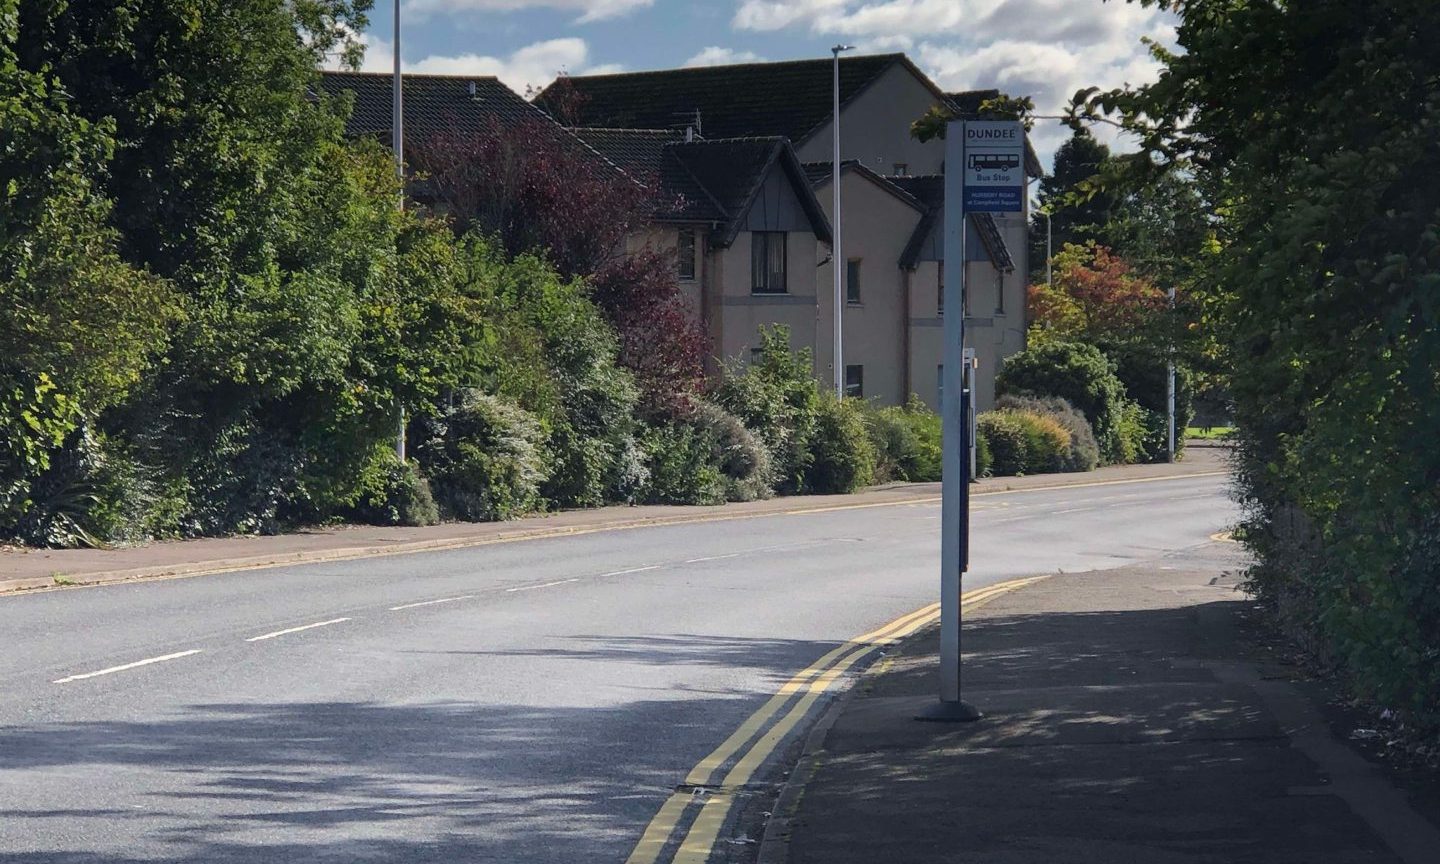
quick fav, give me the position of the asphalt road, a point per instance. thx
(539, 707)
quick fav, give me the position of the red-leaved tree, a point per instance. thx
(535, 187)
(661, 342)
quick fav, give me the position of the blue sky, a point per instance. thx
(1043, 48)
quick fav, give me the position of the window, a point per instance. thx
(901, 169)
(767, 262)
(685, 253)
(855, 382)
(999, 292)
(756, 355)
(940, 290)
(852, 281)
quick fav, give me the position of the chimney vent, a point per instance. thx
(472, 89)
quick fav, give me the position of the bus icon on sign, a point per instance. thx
(993, 161)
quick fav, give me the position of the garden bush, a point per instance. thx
(1080, 375)
(984, 462)
(400, 496)
(776, 397)
(1024, 442)
(486, 459)
(681, 465)
(1084, 453)
(906, 441)
(1005, 439)
(842, 459)
(741, 458)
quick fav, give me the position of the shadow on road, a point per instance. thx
(361, 781)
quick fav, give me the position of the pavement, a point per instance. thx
(524, 702)
(1131, 715)
(29, 569)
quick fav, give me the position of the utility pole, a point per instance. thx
(837, 259)
(1049, 252)
(397, 144)
(1170, 385)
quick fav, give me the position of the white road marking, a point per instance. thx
(712, 558)
(296, 629)
(631, 570)
(536, 587)
(137, 663)
(1073, 510)
(431, 602)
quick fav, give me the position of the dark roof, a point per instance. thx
(709, 180)
(819, 173)
(929, 190)
(433, 103)
(790, 99)
(966, 105)
(646, 155)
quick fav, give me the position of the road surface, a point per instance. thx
(524, 702)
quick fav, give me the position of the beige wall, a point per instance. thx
(993, 335)
(876, 228)
(875, 128)
(736, 315)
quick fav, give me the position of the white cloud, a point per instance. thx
(1045, 49)
(590, 10)
(717, 56)
(531, 66)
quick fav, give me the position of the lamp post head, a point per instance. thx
(838, 48)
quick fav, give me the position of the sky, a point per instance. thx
(1046, 49)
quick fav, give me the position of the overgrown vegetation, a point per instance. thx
(1310, 128)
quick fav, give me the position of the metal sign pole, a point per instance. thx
(955, 464)
(984, 173)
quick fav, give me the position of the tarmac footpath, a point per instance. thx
(1130, 717)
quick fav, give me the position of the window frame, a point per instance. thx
(858, 387)
(681, 259)
(766, 240)
(852, 286)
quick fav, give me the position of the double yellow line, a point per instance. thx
(811, 682)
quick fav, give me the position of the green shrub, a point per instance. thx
(1131, 433)
(681, 466)
(400, 497)
(1082, 376)
(906, 442)
(776, 397)
(842, 459)
(741, 458)
(1084, 452)
(551, 352)
(486, 459)
(1005, 440)
(893, 442)
(1144, 378)
(984, 462)
(1025, 442)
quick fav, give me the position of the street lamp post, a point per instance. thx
(397, 143)
(837, 260)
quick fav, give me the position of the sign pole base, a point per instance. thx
(950, 712)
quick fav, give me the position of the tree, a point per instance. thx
(661, 342)
(1079, 208)
(535, 188)
(1098, 298)
(1311, 127)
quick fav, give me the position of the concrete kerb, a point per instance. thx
(796, 506)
